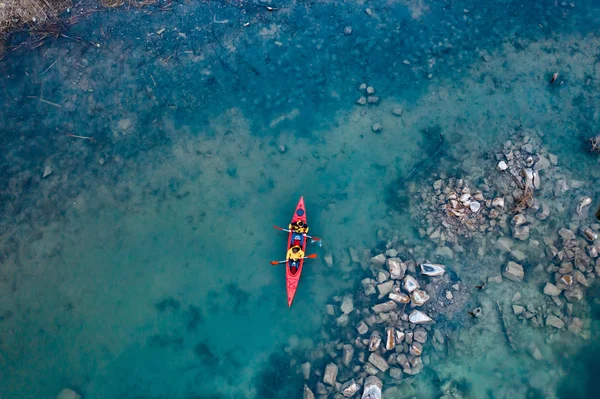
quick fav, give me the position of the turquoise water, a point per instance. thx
(139, 267)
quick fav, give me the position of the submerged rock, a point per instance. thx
(432, 270)
(372, 388)
(347, 305)
(376, 360)
(306, 370)
(331, 371)
(551, 290)
(308, 394)
(68, 393)
(384, 307)
(513, 271)
(554, 322)
(420, 335)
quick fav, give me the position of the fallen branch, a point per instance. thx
(507, 331)
(50, 103)
(82, 137)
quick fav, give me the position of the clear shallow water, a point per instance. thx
(148, 276)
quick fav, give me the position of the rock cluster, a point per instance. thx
(386, 328)
(452, 209)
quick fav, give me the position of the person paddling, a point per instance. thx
(294, 254)
(299, 227)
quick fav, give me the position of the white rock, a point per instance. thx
(583, 204)
(465, 198)
(501, 166)
(432, 270)
(513, 271)
(47, 171)
(347, 305)
(331, 371)
(418, 317)
(68, 394)
(418, 297)
(370, 90)
(410, 284)
(474, 206)
(376, 127)
(348, 30)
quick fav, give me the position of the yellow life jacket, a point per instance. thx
(294, 255)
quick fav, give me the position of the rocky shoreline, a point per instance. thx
(384, 331)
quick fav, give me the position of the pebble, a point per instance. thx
(349, 388)
(282, 148)
(372, 99)
(418, 317)
(362, 328)
(361, 101)
(347, 305)
(376, 127)
(370, 90)
(397, 111)
(348, 30)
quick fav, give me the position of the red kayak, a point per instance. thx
(292, 274)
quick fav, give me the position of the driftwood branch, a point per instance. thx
(507, 331)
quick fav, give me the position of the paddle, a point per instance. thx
(275, 263)
(305, 235)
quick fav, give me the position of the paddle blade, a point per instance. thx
(278, 228)
(311, 256)
(274, 262)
